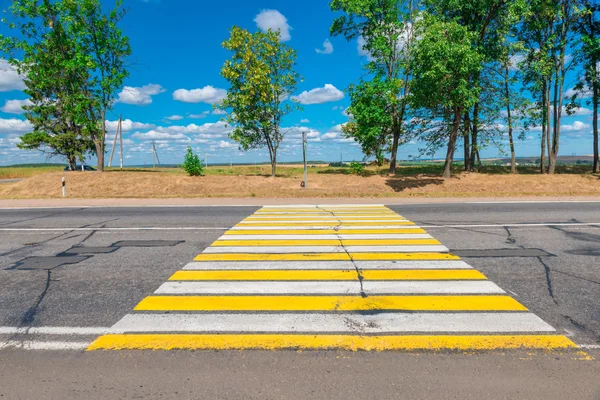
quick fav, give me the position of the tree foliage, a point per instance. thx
(73, 56)
(261, 76)
(192, 164)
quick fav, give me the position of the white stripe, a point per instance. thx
(325, 206)
(329, 287)
(430, 287)
(324, 216)
(332, 323)
(41, 345)
(328, 265)
(589, 346)
(53, 330)
(224, 228)
(340, 213)
(302, 221)
(327, 237)
(264, 287)
(322, 227)
(325, 249)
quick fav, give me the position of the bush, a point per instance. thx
(192, 164)
(357, 168)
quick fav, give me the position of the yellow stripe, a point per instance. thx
(327, 242)
(324, 232)
(325, 223)
(326, 275)
(324, 257)
(329, 303)
(322, 342)
(309, 217)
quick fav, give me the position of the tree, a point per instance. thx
(386, 27)
(82, 77)
(261, 76)
(192, 164)
(54, 77)
(490, 21)
(105, 49)
(588, 26)
(372, 119)
(547, 32)
(444, 61)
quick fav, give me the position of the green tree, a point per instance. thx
(192, 164)
(445, 60)
(261, 76)
(386, 27)
(588, 26)
(371, 117)
(54, 77)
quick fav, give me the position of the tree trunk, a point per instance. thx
(72, 160)
(551, 138)
(544, 132)
(99, 142)
(396, 132)
(474, 144)
(596, 167)
(513, 161)
(452, 143)
(466, 140)
(274, 163)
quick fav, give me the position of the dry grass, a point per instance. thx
(26, 172)
(322, 183)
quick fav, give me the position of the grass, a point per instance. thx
(15, 172)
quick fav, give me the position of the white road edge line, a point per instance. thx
(43, 345)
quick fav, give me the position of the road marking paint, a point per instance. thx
(381, 323)
(325, 224)
(325, 217)
(54, 330)
(43, 345)
(322, 342)
(320, 231)
(283, 288)
(341, 228)
(590, 346)
(323, 242)
(366, 205)
(251, 237)
(329, 303)
(326, 275)
(330, 265)
(88, 229)
(323, 249)
(324, 257)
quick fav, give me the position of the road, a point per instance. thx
(544, 255)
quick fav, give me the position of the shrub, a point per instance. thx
(357, 168)
(192, 164)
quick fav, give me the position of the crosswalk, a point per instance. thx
(353, 277)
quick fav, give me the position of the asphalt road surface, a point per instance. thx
(55, 301)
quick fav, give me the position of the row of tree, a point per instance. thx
(442, 70)
(72, 56)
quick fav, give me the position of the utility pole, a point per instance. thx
(206, 160)
(154, 154)
(304, 140)
(121, 139)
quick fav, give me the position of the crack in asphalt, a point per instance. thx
(42, 217)
(358, 272)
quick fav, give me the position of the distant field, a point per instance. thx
(26, 172)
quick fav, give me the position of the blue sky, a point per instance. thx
(174, 81)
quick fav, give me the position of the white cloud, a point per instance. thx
(15, 106)
(304, 121)
(199, 116)
(219, 112)
(9, 77)
(327, 48)
(319, 95)
(207, 94)
(128, 125)
(226, 145)
(174, 118)
(276, 21)
(361, 42)
(153, 135)
(139, 96)
(14, 125)
(576, 126)
(514, 61)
